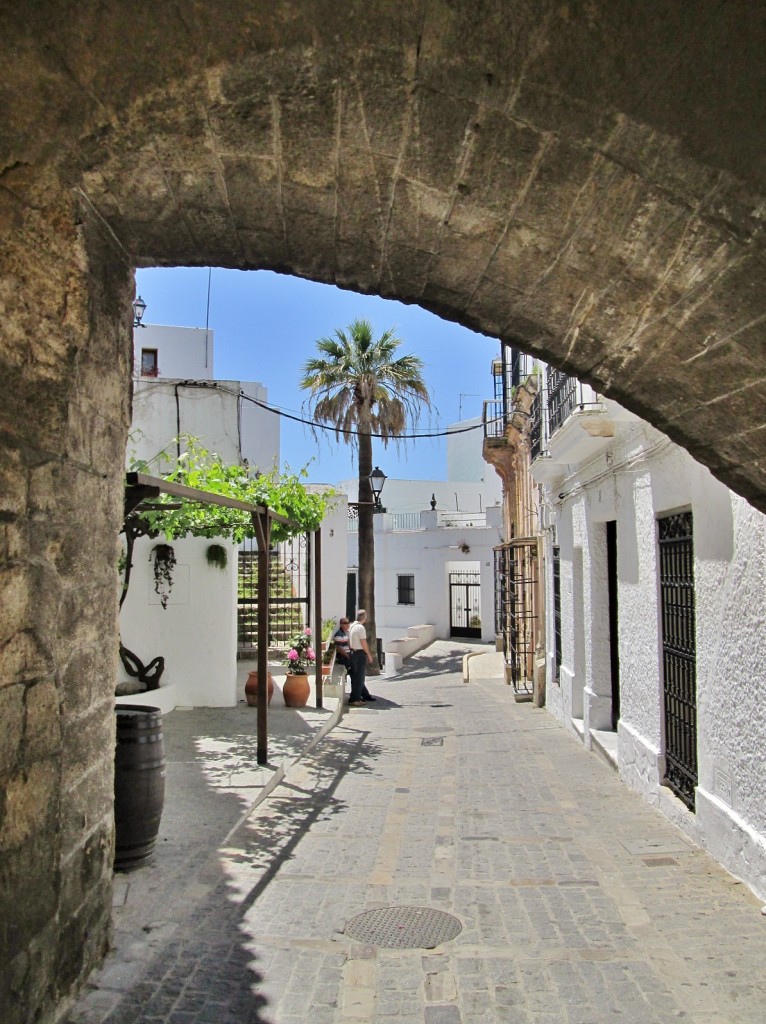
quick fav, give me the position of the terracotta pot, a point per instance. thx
(251, 688)
(296, 690)
(326, 669)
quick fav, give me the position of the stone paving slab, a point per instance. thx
(212, 783)
(578, 903)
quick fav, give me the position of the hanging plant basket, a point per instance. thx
(217, 557)
(164, 564)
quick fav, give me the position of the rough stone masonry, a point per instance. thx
(583, 179)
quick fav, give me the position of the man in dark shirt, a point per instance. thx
(342, 650)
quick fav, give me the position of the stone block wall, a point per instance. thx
(65, 365)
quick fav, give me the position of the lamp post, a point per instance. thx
(139, 308)
(377, 478)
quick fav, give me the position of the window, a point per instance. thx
(557, 613)
(149, 362)
(405, 589)
(679, 654)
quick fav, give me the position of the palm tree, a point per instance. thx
(359, 386)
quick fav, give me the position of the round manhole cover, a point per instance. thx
(404, 927)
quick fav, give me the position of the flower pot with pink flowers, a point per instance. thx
(300, 659)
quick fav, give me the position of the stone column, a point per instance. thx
(65, 355)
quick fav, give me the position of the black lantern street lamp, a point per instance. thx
(139, 308)
(377, 478)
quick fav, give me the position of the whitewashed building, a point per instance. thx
(433, 552)
(654, 651)
(175, 392)
(200, 630)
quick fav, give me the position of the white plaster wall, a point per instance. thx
(334, 555)
(429, 555)
(196, 633)
(465, 461)
(451, 496)
(554, 700)
(181, 351)
(654, 478)
(224, 425)
(260, 429)
(597, 698)
(640, 644)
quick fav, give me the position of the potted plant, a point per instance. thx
(164, 564)
(216, 556)
(300, 658)
(328, 656)
(328, 628)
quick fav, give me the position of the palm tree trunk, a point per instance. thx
(367, 544)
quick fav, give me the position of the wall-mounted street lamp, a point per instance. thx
(139, 308)
(377, 478)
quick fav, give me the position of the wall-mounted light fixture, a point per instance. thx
(377, 478)
(139, 308)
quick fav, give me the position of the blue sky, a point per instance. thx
(266, 326)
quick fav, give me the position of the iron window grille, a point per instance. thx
(679, 653)
(516, 611)
(405, 586)
(556, 569)
(536, 426)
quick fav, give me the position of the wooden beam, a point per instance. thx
(318, 614)
(264, 543)
(204, 497)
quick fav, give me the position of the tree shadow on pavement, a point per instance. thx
(209, 971)
(442, 658)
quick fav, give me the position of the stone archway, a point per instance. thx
(586, 179)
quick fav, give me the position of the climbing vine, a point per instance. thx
(204, 470)
(283, 493)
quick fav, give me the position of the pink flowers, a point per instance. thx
(301, 654)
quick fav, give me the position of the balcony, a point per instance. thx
(494, 420)
(571, 423)
(406, 522)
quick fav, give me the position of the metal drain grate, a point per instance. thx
(404, 927)
(432, 741)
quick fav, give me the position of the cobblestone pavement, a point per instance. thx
(577, 902)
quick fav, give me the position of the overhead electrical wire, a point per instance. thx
(313, 423)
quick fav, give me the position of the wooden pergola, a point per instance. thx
(140, 488)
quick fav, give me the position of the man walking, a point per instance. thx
(360, 658)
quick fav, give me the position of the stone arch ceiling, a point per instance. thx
(586, 178)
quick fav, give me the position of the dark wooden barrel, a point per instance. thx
(139, 783)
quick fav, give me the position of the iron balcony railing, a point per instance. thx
(562, 398)
(462, 519)
(565, 395)
(536, 426)
(494, 419)
(399, 522)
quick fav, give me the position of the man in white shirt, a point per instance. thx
(360, 658)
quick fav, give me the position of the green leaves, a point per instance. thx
(359, 386)
(197, 467)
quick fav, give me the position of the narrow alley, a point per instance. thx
(448, 856)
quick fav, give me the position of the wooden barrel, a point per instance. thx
(139, 783)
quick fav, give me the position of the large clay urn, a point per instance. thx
(251, 688)
(296, 690)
